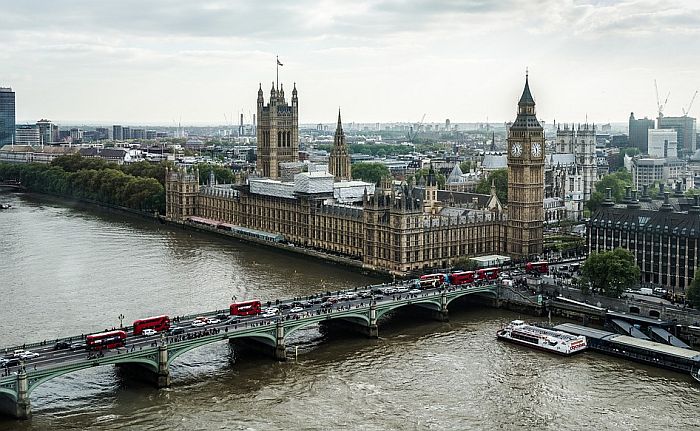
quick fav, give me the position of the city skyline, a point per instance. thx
(201, 63)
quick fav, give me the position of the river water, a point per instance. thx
(67, 269)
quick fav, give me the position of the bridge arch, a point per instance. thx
(358, 318)
(265, 337)
(462, 294)
(430, 303)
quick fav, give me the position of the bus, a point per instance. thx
(465, 277)
(246, 308)
(538, 267)
(105, 340)
(487, 274)
(432, 280)
(157, 323)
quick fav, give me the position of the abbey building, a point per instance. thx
(394, 227)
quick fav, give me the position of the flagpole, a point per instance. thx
(278, 72)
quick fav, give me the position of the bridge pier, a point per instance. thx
(280, 352)
(442, 315)
(159, 378)
(19, 408)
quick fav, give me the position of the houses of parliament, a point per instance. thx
(399, 228)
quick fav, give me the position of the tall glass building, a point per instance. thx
(7, 116)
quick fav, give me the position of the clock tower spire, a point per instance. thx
(525, 180)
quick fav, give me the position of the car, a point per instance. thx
(389, 291)
(12, 362)
(273, 310)
(378, 296)
(317, 301)
(296, 310)
(212, 321)
(198, 323)
(401, 290)
(327, 304)
(284, 306)
(351, 295)
(307, 304)
(29, 355)
(176, 330)
(77, 346)
(61, 345)
(148, 332)
(268, 314)
(364, 294)
(415, 291)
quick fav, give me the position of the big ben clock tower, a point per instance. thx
(525, 180)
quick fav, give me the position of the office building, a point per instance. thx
(663, 143)
(639, 132)
(48, 132)
(27, 134)
(686, 130)
(7, 116)
(117, 133)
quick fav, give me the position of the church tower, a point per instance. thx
(339, 160)
(277, 131)
(525, 180)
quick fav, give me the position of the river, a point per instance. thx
(71, 269)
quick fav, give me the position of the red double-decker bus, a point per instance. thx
(487, 274)
(465, 277)
(539, 267)
(157, 323)
(105, 340)
(432, 280)
(246, 308)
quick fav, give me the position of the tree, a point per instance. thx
(466, 166)
(500, 179)
(617, 181)
(370, 172)
(692, 293)
(465, 264)
(610, 272)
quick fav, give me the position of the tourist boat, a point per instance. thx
(5, 206)
(695, 373)
(559, 342)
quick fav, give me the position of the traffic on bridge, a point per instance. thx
(151, 344)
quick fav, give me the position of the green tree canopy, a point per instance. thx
(500, 179)
(370, 172)
(617, 181)
(610, 272)
(223, 174)
(692, 293)
(466, 166)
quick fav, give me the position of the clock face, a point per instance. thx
(536, 150)
(516, 150)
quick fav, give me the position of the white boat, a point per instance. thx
(549, 340)
(695, 373)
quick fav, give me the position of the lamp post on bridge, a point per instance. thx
(121, 321)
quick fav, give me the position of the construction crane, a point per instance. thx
(413, 132)
(686, 111)
(660, 105)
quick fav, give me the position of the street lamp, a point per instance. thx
(121, 320)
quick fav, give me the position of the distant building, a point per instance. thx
(27, 134)
(138, 133)
(117, 132)
(685, 127)
(76, 135)
(101, 133)
(115, 155)
(663, 143)
(7, 116)
(48, 132)
(151, 134)
(126, 132)
(29, 154)
(639, 133)
(646, 171)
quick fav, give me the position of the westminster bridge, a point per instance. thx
(149, 358)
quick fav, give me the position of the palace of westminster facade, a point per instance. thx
(397, 228)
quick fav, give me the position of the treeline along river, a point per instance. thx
(67, 269)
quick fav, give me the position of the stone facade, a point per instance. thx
(525, 180)
(277, 131)
(397, 228)
(339, 159)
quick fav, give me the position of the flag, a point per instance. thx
(279, 63)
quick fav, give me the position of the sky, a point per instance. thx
(200, 62)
